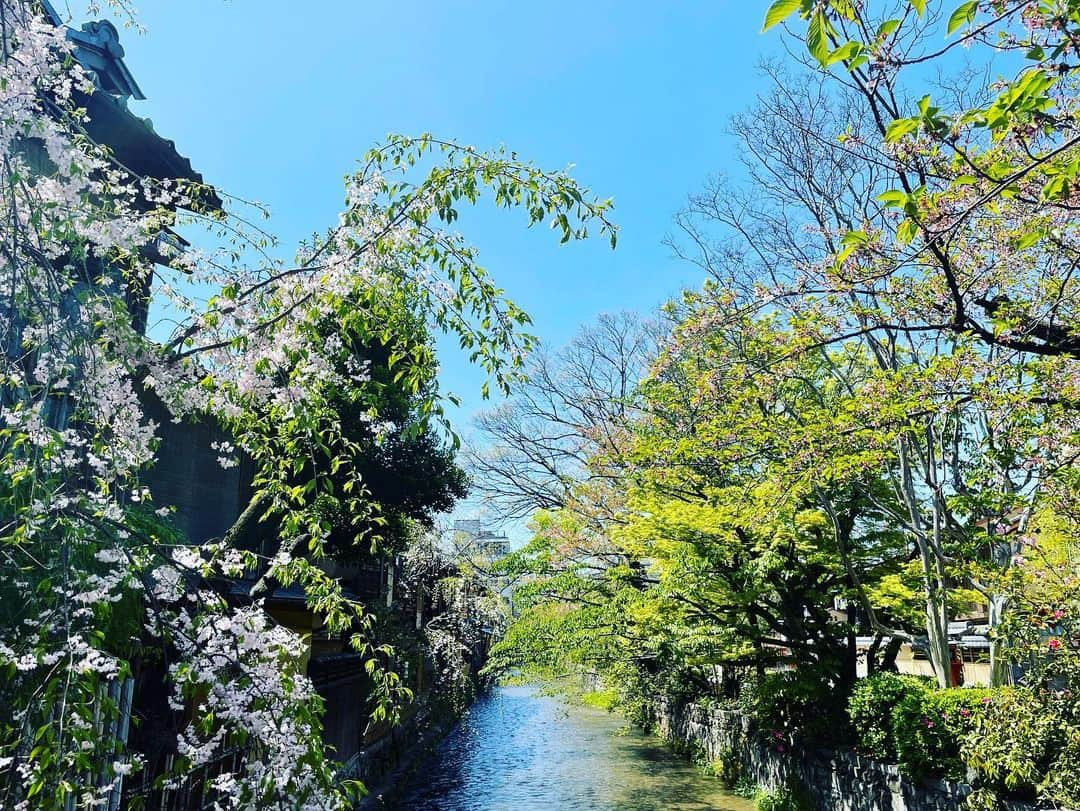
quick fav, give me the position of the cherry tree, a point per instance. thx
(91, 568)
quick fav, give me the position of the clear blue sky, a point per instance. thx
(277, 99)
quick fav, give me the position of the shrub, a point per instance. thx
(787, 706)
(929, 728)
(745, 787)
(870, 709)
(601, 699)
(694, 752)
(727, 767)
(787, 798)
(1027, 744)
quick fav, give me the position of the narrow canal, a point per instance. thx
(519, 750)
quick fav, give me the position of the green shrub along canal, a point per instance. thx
(518, 749)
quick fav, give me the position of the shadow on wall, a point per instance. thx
(838, 781)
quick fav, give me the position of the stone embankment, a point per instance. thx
(384, 766)
(838, 780)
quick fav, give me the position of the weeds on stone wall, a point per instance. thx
(784, 798)
(726, 767)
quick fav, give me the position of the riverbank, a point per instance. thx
(828, 780)
(389, 764)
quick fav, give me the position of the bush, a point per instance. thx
(870, 709)
(909, 721)
(745, 787)
(783, 799)
(1027, 745)
(930, 727)
(726, 767)
(601, 699)
(787, 707)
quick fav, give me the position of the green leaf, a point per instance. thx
(887, 28)
(842, 256)
(893, 198)
(846, 51)
(1057, 187)
(1028, 239)
(780, 11)
(906, 231)
(919, 6)
(900, 128)
(816, 40)
(963, 14)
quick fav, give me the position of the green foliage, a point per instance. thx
(870, 709)
(884, 356)
(787, 708)
(601, 699)
(779, 11)
(405, 470)
(785, 798)
(932, 732)
(1027, 744)
(727, 767)
(459, 175)
(745, 787)
(1012, 156)
(929, 728)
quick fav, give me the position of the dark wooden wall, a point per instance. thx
(187, 475)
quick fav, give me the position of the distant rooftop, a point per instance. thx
(478, 529)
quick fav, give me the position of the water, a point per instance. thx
(518, 750)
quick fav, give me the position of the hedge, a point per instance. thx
(908, 721)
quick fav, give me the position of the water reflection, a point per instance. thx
(518, 750)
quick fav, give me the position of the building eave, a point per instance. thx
(133, 141)
(137, 146)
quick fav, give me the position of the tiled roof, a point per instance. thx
(133, 141)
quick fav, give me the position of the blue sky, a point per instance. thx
(276, 100)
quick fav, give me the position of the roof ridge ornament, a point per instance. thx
(105, 34)
(133, 139)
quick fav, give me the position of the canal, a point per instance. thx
(518, 749)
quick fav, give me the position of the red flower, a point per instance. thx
(1054, 644)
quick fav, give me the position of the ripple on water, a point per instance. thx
(518, 750)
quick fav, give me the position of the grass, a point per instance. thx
(600, 699)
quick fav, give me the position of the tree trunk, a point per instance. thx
(888, 658)
(928, 541)
(851, 664)
(937, 628)
(999, 664)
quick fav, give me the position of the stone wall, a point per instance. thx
(839, 781)
(385, 765)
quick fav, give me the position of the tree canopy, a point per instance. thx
(864, 422)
